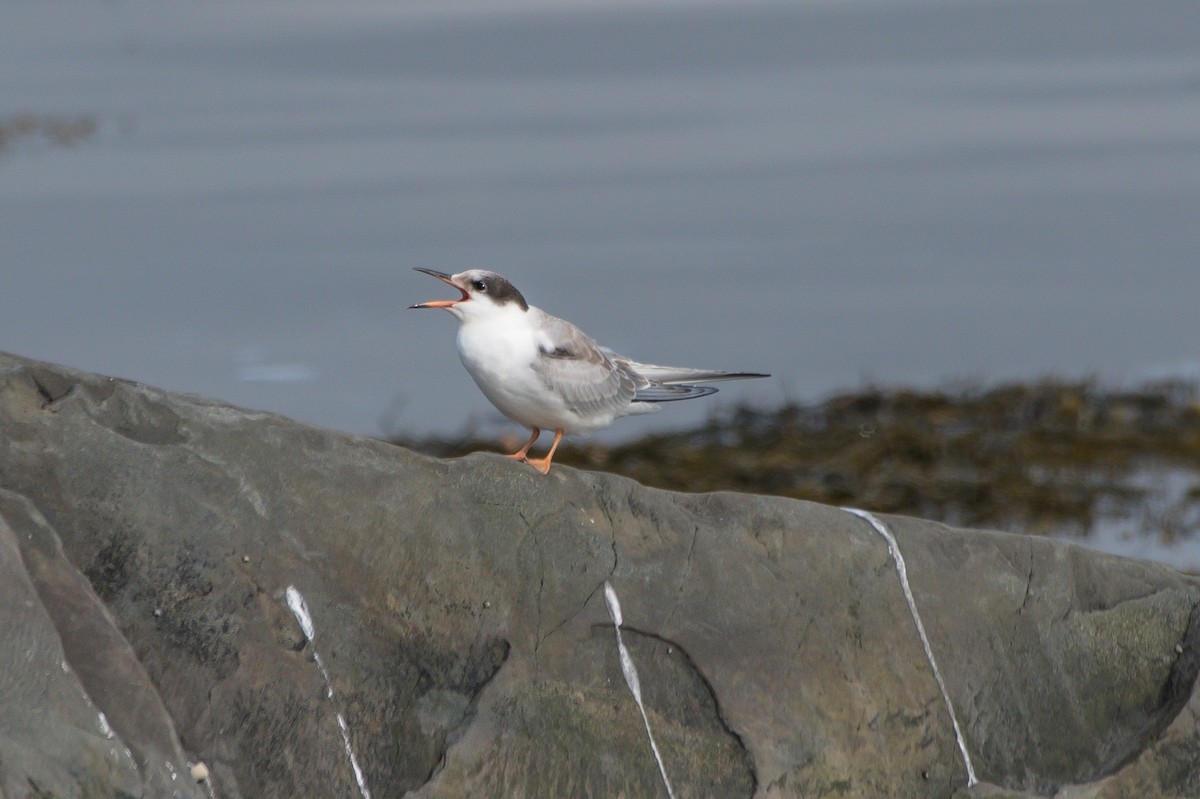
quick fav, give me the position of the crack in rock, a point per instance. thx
(709, 704)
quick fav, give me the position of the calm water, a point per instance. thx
(836, 192)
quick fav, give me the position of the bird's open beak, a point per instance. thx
(447, 279)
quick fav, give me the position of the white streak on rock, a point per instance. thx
(300, 611)
(295, 602)
(902, 571)
(631, 678)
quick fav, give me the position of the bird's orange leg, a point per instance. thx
(543, 464)
(520, 454)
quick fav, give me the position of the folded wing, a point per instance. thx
(595, 380)
(670, 383)
(580, 372)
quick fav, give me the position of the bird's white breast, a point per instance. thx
(499, 351)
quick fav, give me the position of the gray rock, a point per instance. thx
(458, 609)
(78, 714)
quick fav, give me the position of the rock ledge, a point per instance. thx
(148, 540)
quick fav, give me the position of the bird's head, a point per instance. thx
(483, 293)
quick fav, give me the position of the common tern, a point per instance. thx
(546, 374)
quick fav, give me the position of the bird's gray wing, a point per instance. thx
(576, 369)
(669, 383)
(675, 375)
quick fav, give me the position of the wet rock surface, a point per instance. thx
(149, 540)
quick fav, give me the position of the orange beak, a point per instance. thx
(442, 276)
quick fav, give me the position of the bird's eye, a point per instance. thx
(479, 285)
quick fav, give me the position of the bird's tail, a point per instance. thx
(662, 392)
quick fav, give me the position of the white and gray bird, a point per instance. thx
(546, 374)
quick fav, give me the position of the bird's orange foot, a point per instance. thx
(520, 454)
(541, 464)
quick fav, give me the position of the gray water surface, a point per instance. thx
(835, 192)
